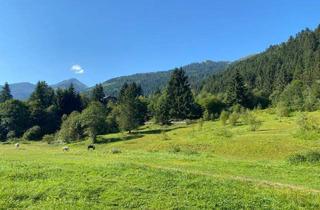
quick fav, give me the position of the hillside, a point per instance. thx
(273, 69)
(150, 82)
(23, 90)
(182, 167)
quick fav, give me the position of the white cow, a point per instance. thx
(17, 145)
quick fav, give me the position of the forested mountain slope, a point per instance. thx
(273, 69)
(150, 82)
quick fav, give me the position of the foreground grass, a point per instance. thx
(188, 166)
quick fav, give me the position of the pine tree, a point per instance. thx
(5, 94)
(180, 98)
(130, 115)
(237, 93)
(43, 95)
(98, 93)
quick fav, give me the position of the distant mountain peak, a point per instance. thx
(79, 86)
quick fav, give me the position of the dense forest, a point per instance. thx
(269, 72)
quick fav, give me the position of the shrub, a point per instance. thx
(48, 138)
(223, 132)
(175, 149)
(310, 157)
(251, 120)
(308, 127)
(224, 117)
(233, 118)
(283, 110)
(33, 133)
(297, 158)
(71, 128)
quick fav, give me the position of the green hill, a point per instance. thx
(150, 82)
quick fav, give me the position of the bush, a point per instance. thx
(297, 158)
(48, 138)
(310, 157)
(33, 133)
(175, 149)
(71, 128)
(223, 132)
(224, 117)
(233, 118)
(252, 121)
(308, 127)
(283, 110)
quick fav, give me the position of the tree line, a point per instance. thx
(66, 115)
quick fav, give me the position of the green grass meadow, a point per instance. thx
(176, 167)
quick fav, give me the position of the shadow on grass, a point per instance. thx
(134, 135)
(104, 140)
(157, 131)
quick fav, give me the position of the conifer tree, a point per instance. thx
(98, 93)
(129, 117)
(180, 98)
(237, 92)
(5, 93)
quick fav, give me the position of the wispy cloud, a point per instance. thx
(77, 69)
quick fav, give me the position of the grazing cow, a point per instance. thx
(65, 149)
(91, 146)
(17, 145)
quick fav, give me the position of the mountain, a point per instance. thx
(23, 90)
(150, 82)
(269, 72)
(78, 86)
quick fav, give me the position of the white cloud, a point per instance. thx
(77, 69)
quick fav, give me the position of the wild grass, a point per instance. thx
(197, 167)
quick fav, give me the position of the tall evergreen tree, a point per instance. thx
(237, 92)
(68, 100)
(130, 114)
(98, 93)
(5, 93)
(43, 95)
(180, 98)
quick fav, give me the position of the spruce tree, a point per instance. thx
(130, 114)
(5, 93)
(237, 92)
(98, 93)
(43, 95)
(179, 97)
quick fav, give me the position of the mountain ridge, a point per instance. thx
(23, 90)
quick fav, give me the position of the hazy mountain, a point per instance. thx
(152, 81)
(23, 90)
(78, 86)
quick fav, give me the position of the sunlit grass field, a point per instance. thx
(176, 167)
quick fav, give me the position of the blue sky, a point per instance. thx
(95, 40)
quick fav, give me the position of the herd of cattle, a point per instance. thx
(65, 148)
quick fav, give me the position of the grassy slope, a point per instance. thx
(246, 170)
